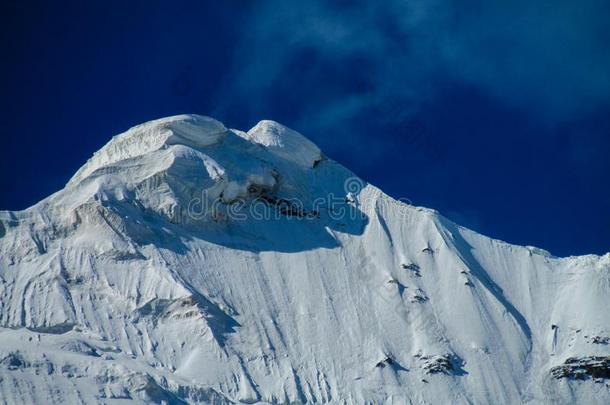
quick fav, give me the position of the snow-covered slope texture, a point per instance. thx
(189, 263)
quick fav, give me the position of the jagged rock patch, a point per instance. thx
(583, 368)
(448, 364)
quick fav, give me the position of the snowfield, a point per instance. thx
(190, 263)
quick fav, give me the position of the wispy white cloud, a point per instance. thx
(549, 57)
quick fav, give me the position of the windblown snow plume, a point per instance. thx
(190, 263)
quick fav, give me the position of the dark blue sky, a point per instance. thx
(497, 115)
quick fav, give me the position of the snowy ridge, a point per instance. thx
(191, 130)
(189, 263)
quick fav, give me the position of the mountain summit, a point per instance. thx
(190, 263)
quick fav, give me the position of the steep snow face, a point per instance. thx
(190, 263)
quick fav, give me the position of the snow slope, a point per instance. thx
(189, 263)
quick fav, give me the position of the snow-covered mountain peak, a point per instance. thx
(168, 164)
(199, 133)
(190, 263)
